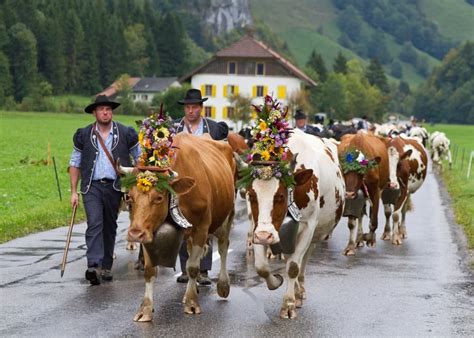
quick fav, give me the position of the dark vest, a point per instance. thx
(124, 139)
(217, 130)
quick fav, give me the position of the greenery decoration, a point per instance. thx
(355, 160)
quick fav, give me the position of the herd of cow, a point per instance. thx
(205, 173)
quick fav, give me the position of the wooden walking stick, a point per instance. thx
(68, 240)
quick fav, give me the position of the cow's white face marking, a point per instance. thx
(265, 191)
(393, 159)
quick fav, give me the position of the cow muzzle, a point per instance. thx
(393, 186)
(139, 235)
(264, 238)
(350, 195)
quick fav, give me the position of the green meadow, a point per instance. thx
(29, 199)
(459, 186)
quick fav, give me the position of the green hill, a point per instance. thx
(306, 25)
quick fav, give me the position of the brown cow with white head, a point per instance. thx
(205, 187)
(319, 197)
(371, 182)
(408, 165)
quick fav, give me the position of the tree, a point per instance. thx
(300, 100)
(376, 75)
(408, 54)
(242, 110)
(377, 47)
(172, 46)
(350, 22)
(396, 69)
(333, 96)
(340, 64)
(74, 48)
(316, 62)
(22, 48)
(136, 49)
(123, 95)
(6, 82)
(54, 62)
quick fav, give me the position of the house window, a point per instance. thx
(260, 91)
(232, 67)
(145, 97)
(230, 112)
(134, 97)
(260, 69)
(208, 111)
(230, 90)
(208, 90)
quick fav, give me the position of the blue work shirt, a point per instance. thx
(103, 167)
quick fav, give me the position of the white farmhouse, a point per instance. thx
(247, 67)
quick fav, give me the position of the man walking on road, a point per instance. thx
(96, 148)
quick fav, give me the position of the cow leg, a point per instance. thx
(403, 228)
(396, 236)
(145, 312)
(300, 290)
(388, 229)
(131, 246)
(293, 266)
(263, 268)
(196, 252)
(374, 194)
(222, 234)
(351, 245)
(360, 232)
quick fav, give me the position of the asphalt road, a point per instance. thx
(421, 288)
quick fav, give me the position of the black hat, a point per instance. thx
(101, 100)
(192, 96)
(299, 115)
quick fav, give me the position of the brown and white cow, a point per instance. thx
(407, 167)
(318, 194)
(205, 187)
(371, 183)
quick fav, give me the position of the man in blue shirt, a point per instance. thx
(100, 184)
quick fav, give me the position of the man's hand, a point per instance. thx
(74, 199)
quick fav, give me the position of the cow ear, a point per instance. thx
(377, 159)
(406, 154)
(302, 176)
(183, 185)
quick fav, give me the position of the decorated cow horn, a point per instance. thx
(238, 160)
(125, 170)
(293, 162)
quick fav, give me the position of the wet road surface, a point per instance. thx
(419, 288)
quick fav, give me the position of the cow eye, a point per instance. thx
(158, 200)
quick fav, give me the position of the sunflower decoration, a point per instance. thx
(156, 141)
(355, 160)
(270, 134)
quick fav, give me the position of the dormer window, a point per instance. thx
(232, 67)
(260, 69)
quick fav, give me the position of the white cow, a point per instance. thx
(439, 148)
(318, 194)
(420, 134)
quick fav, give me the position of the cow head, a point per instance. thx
(150, 205)
(268, 197)
(355, 167)
(398, 163)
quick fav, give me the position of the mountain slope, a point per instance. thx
(311, 24)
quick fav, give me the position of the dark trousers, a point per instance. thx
(206, 261)
(101, 204)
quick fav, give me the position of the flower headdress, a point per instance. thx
(268, 154)
(355, 160)
(155, 138)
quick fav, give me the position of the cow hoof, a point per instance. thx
(223, 288)
(288, 311)
(360, 244)
(385, 236)
(144, 314)
(192, 308)
(397, 241)
(131, 246)
(278, 284)
(299, 303)
(404, 235)
(349, 251)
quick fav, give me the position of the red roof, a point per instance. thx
(112, 90)
(249, 47)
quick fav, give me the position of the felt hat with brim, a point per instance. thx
(101, 100)
(299, 115)
(193, 96)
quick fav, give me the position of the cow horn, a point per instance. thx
(293, 162)
(238, 160)
(124, 170)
